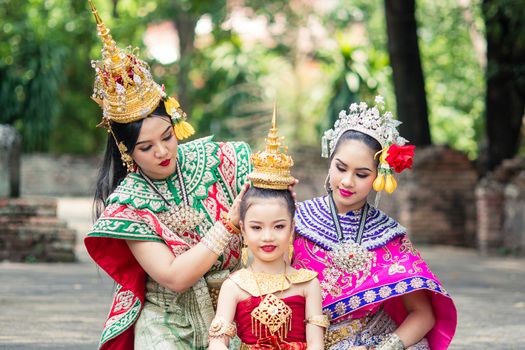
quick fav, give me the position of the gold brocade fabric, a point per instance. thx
(269, 283)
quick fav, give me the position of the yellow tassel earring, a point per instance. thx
(181, 127)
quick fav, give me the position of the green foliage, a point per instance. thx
(325, 56)
(454, 77)
(30, 70)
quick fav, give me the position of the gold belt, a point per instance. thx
(350, 328)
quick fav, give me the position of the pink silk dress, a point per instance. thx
(393, 268)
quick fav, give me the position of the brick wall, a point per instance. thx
(30, 231)
(436, 200)
(501, 209)
(64, 175)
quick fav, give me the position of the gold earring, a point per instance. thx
(244, 255)
(290, 248)
(127, 160)
(327, 187)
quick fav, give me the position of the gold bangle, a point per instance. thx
(230, 226)
(319, 320)
(392, 342)
(219, 328)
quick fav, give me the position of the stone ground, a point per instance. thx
(63, 306)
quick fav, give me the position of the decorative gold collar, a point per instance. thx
(269, 283)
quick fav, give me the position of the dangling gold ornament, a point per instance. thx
(273, 314)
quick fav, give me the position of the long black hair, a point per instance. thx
(112, 171)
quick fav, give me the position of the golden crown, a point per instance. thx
(124, 87)
(272, 167)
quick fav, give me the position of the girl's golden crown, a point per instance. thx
(272, 167)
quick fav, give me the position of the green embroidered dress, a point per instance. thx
(145, 315)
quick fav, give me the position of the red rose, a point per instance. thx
(400, 157)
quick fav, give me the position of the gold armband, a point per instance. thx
(220, 328)
(319, 320)
(392, 342)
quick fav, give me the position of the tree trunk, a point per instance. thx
(185, 24)
(505, 95)
(409, 82)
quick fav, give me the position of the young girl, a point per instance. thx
(376, 288)
(269, 304)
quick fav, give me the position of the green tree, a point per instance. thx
(505, 76)
(451, 37)
(407, 72)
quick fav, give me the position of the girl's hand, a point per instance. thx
(234, 212)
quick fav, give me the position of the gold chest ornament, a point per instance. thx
(182, 218)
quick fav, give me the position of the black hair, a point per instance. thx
(368, 140)
(112, 171)
(255, 192)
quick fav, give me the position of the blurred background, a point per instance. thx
(228, 61)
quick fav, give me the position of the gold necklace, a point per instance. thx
(272, 313)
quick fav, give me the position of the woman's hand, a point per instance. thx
(291, 188)
(234, 214)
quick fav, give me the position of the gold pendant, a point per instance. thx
(351, 257)
(273, 313)
(348, 258)
(182, 218)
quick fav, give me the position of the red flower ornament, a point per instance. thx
(400, 157)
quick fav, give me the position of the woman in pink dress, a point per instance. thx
(377, 290)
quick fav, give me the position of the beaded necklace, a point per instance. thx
(348, 257)
(180, 218)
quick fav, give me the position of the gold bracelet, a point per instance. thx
(217, 238)
(219, 328)
(319, 320)
(392, 342)
(230, 226)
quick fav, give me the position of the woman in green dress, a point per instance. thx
(166, 213)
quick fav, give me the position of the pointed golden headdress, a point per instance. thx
(124, 87)
(271, 166)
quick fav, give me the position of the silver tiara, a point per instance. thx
(369, 121)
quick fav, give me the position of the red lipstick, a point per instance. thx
(165, 162)
(345, 193)
(268, 248)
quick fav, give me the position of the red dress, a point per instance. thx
(296, 337)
